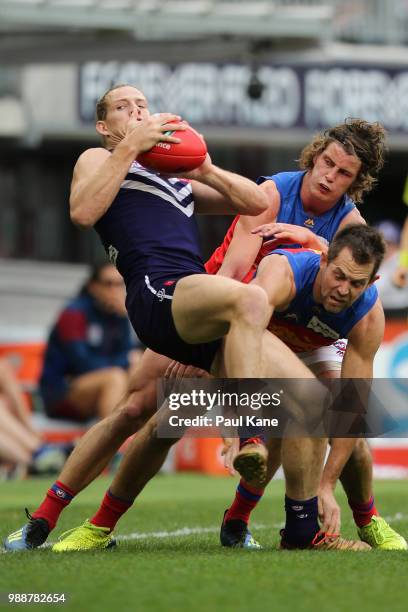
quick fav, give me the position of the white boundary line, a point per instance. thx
(191, 531)
(184, 531)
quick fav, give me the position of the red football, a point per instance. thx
(172, 158)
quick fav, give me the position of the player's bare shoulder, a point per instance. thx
(91, 159)
(269, 187)
(354, 216)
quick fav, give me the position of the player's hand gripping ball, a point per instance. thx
(171, 158)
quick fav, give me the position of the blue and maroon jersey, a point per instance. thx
(290, 211)
(85, 338)
(149, 230)
(305, 325)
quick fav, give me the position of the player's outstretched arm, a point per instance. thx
(287, 233)
(98, 173)
(218, 191)
(363, 343)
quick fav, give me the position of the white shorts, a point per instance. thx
(325, 358)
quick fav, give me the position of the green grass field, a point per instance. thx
(157, 567)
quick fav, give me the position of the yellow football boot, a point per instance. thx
(85, 537)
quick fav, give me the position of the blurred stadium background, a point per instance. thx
(256, 78)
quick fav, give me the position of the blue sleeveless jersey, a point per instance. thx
(305, 325)
(150, 229)
(291, 207)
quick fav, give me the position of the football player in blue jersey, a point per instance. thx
(308, 207)
(336, 287)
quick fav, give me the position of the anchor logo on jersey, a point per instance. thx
(161, 294)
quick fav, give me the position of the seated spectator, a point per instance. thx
(89, 351)
(21, 446)
(394, 299)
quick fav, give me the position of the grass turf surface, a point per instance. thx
(165, 571)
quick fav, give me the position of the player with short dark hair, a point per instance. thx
(364, 244)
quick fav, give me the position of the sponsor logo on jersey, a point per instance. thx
(321, 328)
(309, 222)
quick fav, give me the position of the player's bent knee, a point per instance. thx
(135, 410)
(361, 451)
(129, 417)
(252, 305)
(152, 430)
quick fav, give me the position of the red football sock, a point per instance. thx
(57, 498)
(110, 511)
(246, 498)
(363, 513)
